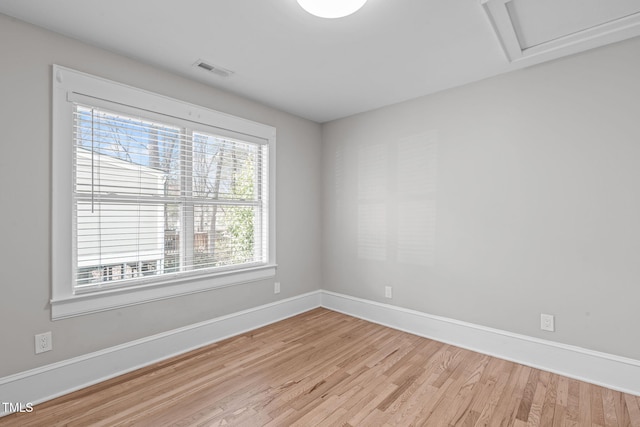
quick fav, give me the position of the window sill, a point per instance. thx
(81, 304)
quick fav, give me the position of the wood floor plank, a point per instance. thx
(486, 385)
(622, 412)
(584, 405)
(562, 397)
(535, 415)
(527, 398)
(597, 407)
(547, 411)
(497, 395)
(462, 396)
(609, 408)
(506, 412)
(633, 409)
(322, 368)
(370, 403)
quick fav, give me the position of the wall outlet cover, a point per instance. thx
(388, 292)
(547, 322)
(43, 342)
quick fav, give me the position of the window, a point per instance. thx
(153, 197)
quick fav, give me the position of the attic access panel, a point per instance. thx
(528, 28)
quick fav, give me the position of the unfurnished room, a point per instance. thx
(320, 213)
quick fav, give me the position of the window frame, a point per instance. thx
(70, 86)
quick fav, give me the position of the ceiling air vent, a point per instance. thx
(554, 28)
(215, 69)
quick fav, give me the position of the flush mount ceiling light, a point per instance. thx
(331, 8)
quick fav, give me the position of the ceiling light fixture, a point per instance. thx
(331, 8)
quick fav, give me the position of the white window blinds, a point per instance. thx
(159, 198)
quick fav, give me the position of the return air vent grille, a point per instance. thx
(215, 69)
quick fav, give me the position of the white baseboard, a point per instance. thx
(50, 381)
(607, 370)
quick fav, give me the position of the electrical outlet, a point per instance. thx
(388, 292)
(43, 342)
(276, 288)
(547, 322)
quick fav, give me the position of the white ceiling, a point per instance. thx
(389, 51)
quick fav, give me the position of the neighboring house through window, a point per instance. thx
(152, 195)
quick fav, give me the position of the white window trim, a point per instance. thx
(69, 84)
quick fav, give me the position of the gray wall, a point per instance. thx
(26, 55)
(497, 201)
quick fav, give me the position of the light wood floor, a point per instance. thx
(322, 368)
